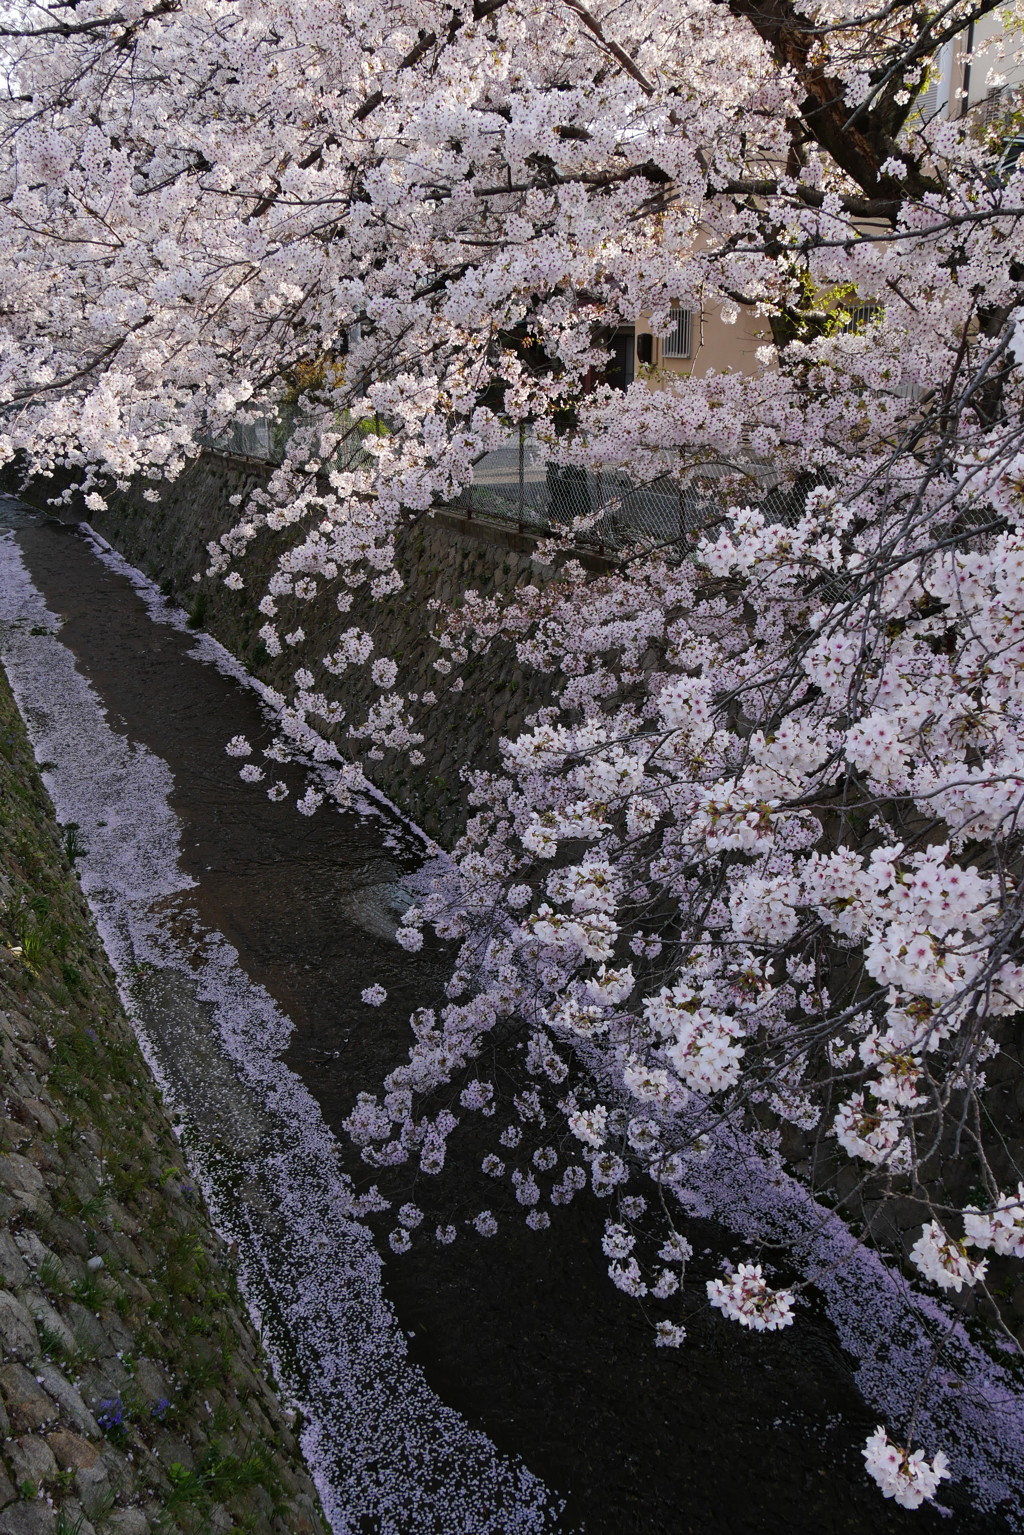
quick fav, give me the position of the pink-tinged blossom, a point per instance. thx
(1000, 1230)
(374, 996)
(525, 1185)
(675, 1249)
(746, 1298)
(905, 1476)
(872, 1133)
(476, 1095)
(944, 1260)
(778, 761)
(618, 1241)
(627, 1277)
(384, 672)
(607, 1173)
(590, 1125)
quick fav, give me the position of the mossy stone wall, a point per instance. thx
(134, 1397)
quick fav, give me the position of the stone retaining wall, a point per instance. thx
(134, 1396)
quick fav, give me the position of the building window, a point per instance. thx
(679, 341)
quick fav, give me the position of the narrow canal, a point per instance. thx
(489, 1386)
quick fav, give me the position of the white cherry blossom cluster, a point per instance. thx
(1000, 1230)
(748, 1299)
(905, 1476)
(944, 1260)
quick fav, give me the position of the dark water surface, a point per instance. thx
(524, 1334)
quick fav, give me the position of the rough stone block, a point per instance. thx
(41, 1114)
(119, 1470)
(31, 1460)
(71, 1403)
(13, 1269)
(127, 1521)
(174, 1451)
(13, 1134)
(152, 1384)
(27, 1403)
(120, 1335)
(72, 1241)
(18, 1336)
(93, 1488)
(33, 1054)
(71, 1451)
(27, 1519)
(46, 1317)
(23, 1181)
(74, 1517)
(89, 1333)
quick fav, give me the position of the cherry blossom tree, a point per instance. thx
(751, 877)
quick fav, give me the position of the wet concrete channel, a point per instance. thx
(523, 1336)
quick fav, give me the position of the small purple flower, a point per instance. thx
(110, 1414)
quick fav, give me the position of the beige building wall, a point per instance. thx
(716, 346)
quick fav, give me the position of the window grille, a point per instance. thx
(679, 341)
(863, 315)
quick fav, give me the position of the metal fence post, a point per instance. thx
(522, 474)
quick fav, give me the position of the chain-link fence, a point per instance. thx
(516, 485)
(264, 436)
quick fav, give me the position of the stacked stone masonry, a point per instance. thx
(134, 1398)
